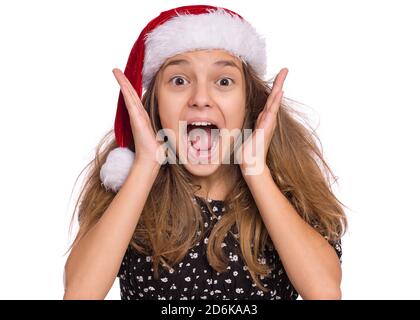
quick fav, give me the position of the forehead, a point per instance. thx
(208, 53)
(214, 57)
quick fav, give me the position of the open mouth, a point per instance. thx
(202, 140)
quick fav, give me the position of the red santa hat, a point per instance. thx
(176, 31)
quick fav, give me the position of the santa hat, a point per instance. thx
(176, 31)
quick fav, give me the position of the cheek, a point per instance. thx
(234, 114)
(169, 113)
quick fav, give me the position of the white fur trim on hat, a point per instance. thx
(217, 29)
(116, 168)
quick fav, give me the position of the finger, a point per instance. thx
(258, 121)
(274, 107)
(128, 99)
(131, 100)
(134, 94)
(271, 96)
(271, 112)
(136, 98)
(119, 75)
(277, 86)
(133, 111)
(281, 77)
(123, 81)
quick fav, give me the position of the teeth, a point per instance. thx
(196, 123)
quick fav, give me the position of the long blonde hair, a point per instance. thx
(171, 223)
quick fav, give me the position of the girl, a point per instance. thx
(175, 206)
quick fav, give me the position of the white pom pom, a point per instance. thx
(116, 168)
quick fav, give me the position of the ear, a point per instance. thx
(116, 168)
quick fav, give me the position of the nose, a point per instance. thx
(200, 96)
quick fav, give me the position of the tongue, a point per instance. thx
(201, 139)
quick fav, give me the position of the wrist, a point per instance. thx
(255, 172)
(151, 167)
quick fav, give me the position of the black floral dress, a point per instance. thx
(193, 278)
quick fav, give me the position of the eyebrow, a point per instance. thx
(220, 63)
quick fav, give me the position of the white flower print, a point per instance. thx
(183, 278)
(194, 255)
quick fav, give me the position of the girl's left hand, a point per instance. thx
(252, 153)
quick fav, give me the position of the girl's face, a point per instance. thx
(198, 86)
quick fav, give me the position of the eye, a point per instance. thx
(178, 81)
(225, 81)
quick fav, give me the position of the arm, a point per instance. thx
(311, 263)
(94, 261)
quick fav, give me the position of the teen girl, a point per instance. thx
(186, 213)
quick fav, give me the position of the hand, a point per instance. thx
(253, 152)
(148, 149)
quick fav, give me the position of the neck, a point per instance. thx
(218, 185)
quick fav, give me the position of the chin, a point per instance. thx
(202, 170)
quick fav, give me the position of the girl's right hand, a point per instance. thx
(148, 149)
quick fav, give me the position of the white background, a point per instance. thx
(355, 64)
